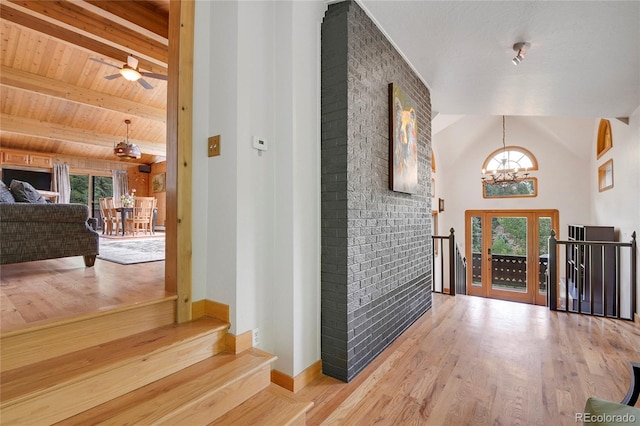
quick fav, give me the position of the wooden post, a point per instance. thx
(552, 284)
(452, 263)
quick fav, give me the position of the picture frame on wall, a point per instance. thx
(605, 176)
(440, 205)
(158, 182)
(403, 141)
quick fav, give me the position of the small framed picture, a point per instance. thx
(158, 182)
(605, 176)
(440, 205)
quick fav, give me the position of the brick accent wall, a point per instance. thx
(376, 243)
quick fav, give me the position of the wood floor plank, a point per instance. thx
(472, 360)
(36, 293)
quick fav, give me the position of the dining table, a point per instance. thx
(123, 215)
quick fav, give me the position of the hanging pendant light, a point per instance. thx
(125, 149)
(503, 176)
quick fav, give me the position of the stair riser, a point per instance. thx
(31, 346)
(67, 399)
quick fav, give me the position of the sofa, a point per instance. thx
(36, 231)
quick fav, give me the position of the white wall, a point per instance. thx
(563, 173)
(259, 250)
(567, 175)
(620, 205)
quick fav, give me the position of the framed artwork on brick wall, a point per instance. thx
(403, 142)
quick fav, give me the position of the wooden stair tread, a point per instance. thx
(273, 406)
(101, 312)
(104, 357)
(37, 343)
(168, 400)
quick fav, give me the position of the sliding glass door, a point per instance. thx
(509, 253)
(87, 189)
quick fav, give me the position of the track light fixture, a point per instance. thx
(521, 48)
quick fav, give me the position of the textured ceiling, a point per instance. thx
(584, 59)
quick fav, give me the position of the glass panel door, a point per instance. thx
(508, 257)
(509, 252)
(474, 227)
(544, 230)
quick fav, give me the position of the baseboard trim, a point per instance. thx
(239, 343)
(295, 384)
(209, 308)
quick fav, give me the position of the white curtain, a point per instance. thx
(120, 184)
(61, 183)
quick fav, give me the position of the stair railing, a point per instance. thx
(457, 265)
(584, 290)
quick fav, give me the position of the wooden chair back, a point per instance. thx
(104, 213)
(142, 215)
(143, 207)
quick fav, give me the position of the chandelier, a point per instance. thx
(125, 149)
(504, 175)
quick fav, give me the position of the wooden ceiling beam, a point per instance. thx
(140, 13)
(23, 80)
(42, 129)
(116, 51)
(72, 16)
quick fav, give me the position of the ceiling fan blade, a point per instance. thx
(154, 75)
(144, 84)
(132, 62)
(112, 77)
(103, 62)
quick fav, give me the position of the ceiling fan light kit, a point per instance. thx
(131, 72)
(126, 150)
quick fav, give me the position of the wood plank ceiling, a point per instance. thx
(55, 98)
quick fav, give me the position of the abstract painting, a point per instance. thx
(403, 142)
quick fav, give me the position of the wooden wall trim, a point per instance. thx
(206, 307)
(295, 384)
(239, 343)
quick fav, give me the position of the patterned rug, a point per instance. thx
(128, 252)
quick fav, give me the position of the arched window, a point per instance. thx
(506, 173)
(515, 158)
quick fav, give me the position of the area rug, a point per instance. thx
(129, 252)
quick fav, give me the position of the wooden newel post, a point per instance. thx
(452, 262)
(552, 274)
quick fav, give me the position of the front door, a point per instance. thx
(509, 253)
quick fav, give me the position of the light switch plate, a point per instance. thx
(214, 146)
(260, 143)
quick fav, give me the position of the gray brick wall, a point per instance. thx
(376, 243)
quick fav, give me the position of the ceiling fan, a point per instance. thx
(131, 72)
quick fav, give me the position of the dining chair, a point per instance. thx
(114, 215)
(107, 223)
(142, 215)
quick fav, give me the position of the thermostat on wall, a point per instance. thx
(260, 144)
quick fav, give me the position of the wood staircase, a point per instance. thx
(134, 366)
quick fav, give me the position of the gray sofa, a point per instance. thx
(31, 232)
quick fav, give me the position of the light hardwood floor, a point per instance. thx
(471, 360)
(37, 293)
